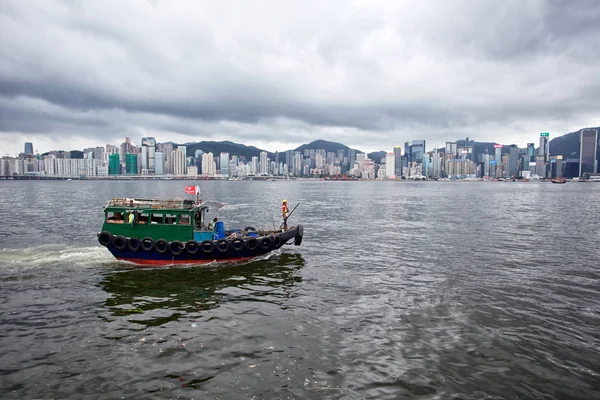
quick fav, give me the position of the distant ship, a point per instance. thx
(559, 180)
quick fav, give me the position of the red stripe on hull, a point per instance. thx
(180, 262)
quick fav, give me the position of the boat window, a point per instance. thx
(184, 219)
(156, 219)
(170, 219)
(144, 217)
(114, 218)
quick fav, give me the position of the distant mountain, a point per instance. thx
(567, 145)
(234, 149)
(329, 147)
(377, 155)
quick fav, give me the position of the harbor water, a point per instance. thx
(400, 290)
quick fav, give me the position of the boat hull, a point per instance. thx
(229, 253)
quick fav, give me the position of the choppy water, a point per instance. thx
(399, 290)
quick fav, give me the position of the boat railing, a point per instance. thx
(147, 203)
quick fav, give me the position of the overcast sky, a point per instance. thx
(276, 74)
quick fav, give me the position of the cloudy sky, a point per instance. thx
(276, 74)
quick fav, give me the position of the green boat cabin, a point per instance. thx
(171, 220)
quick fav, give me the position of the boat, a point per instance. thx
(559, 180)
(168, 232)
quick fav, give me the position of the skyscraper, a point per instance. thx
(160, 163)
(28, 148)
(397, 161)
(531, 151)
(264, 165)
(513, 162)
(149, 155)
(451, 149)
(544, 149)
(224, 163)
(390, 165)
(114, 164)
(588, 152)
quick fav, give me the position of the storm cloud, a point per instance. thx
(370, 74)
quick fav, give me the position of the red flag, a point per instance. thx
(190, 189)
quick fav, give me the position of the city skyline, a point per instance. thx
(277, 75)
(466, 159)
(526, 140)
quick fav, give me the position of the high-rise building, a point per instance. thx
(390, 165)
(451, 149)
(588, 152)
(208, 165)
(178, 161)
(28, 148)
(224, 163)
(498, 158)
(486, 163)
(426, 166)
(159, 163)
(513, 161)
(149, 155)
(114, 164)
(351, 156)
(531, 151)
(254, 165)
(264, 164)
(397, 161)
(544, 149)
(131, 164)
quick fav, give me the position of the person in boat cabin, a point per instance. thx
(285, 212)
(211, 224)
(131, 218)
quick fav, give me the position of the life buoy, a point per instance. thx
(277, 241)
(192, 247)
(134, 244)
(176, 247)
(251, 244)
(161, 246)
(223, 245)
(237, 244)
(147, 244)
(207, 246)
(120, 242)
(265, 243)
(105, 238)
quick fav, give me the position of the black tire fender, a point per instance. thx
(249, 229)
(251, 243)
(120, 242)
(266, 243)
(207, 246)
(134, 244)
(222, 245)
(176, 247)
(277, 241)
(237, 244)
(147, 244)
(192, 247)
(161, 246)
(105, 238)
(298, 238)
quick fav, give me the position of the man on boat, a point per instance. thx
(211, 224)
(285, 212)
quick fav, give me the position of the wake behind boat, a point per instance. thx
(167, 232)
